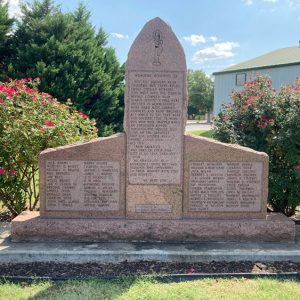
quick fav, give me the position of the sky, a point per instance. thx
(214, 34)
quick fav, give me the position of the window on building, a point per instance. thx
(240, 79)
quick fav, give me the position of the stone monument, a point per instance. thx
(153, 182)
(155, 117)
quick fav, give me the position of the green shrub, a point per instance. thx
(264, 120)
(30, 122)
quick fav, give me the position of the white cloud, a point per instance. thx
(293, 3)
(14, 8)
(251, 2)
(218, 51)
(248, 2)
(119, 36)
(195, 39)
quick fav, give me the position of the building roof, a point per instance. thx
(278, 58)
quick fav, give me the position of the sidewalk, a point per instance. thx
(26, 252)
(194, 125)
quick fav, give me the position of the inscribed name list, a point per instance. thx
(155, 127)
(225, 186)
(82, 185)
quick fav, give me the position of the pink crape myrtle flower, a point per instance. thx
(49, 123)
(83, 115)
(12, 171)
(297, 167)
(2, 171)
(191, 270)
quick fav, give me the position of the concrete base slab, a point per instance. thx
(28, 226)
(114, 252)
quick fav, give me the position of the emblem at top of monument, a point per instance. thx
(158, 48)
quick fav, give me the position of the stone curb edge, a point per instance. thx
(159, 278)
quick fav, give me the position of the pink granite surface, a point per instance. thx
(276, 227)
(200, 149)
(110, 149)
(155, 84)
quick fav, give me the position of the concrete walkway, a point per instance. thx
(24, 252)
(192, 125)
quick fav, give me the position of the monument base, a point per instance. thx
(28, 226)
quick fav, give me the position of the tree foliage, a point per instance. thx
(6, 24)
(264, 120)
(200, 92)
(72, 60)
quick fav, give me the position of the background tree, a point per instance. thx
(6, 24)
(201, 93)
(71, 59)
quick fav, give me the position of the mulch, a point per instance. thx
(96, 270)
(5, 216)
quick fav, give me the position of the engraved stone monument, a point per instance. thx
(153, 182)
(84, 180)
(155, 117)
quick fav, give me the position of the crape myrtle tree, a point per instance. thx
(31, 121)
(6, 24)
(200, 92)
(72, 60)
(267, 120)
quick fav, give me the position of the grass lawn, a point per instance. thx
(204, 133)
(131, 289)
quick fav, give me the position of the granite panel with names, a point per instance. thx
(155, 127)
(82, 185)
(225, 186)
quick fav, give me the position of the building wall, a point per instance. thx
(225, 83)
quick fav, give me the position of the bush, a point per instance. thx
(30, 122)
(264, 120)
(71, 57)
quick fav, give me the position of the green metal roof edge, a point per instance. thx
(256, 68)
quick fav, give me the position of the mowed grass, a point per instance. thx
(148, 289)
(204, 133)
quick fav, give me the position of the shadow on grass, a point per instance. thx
(129, 289)
(85, 289)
